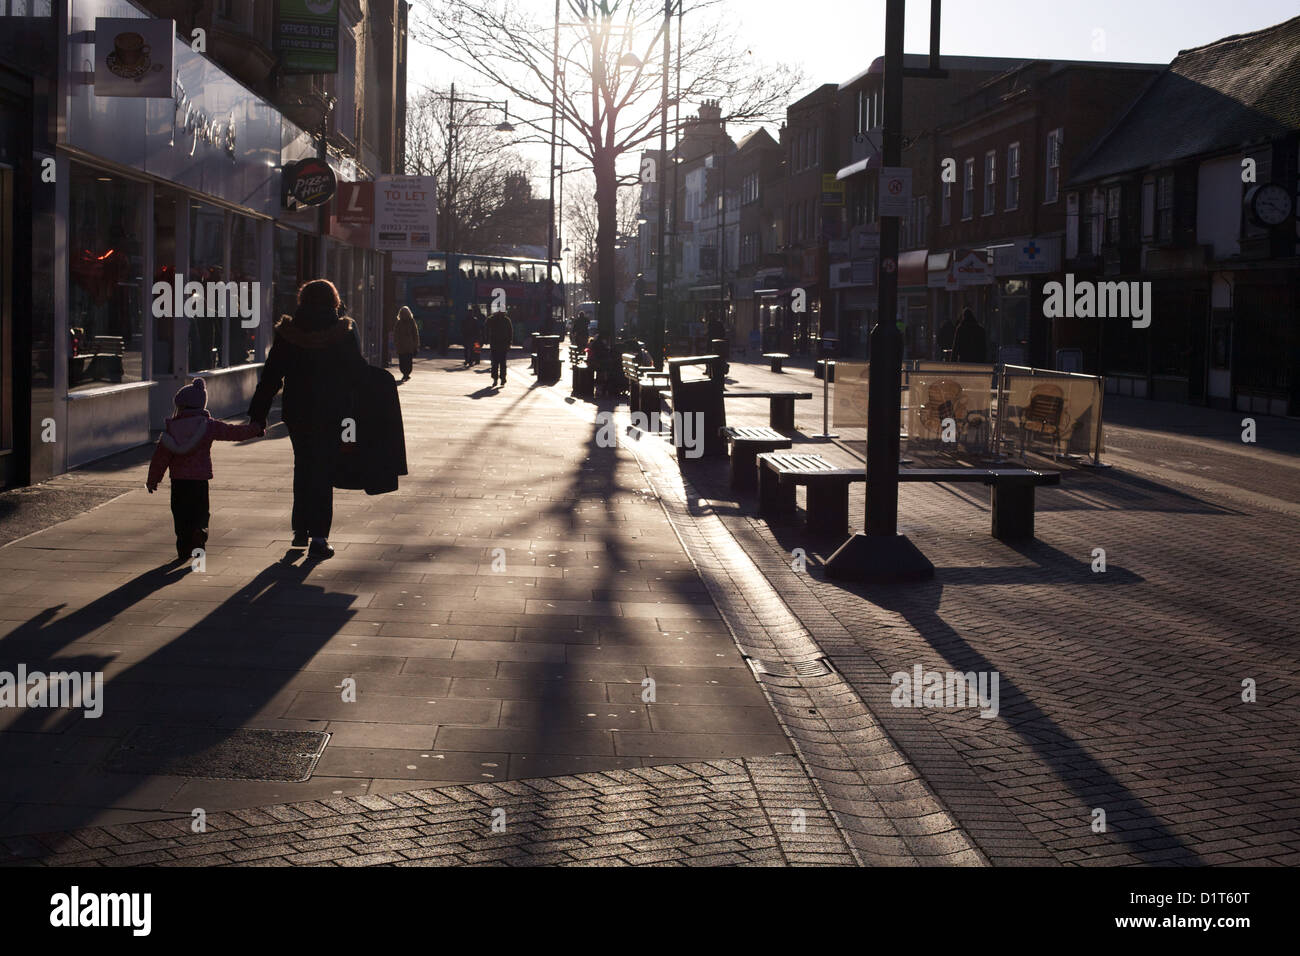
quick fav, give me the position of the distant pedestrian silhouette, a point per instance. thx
(316, 358)
(500, 334)
(406, 340)
(185, 448)
(969, 344)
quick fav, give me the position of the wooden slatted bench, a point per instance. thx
(746, 444)
(1012, 493)
(584, 376)
(644, 385)
(776, 359)
(779, 473)
(782, 409)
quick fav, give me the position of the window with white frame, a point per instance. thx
(1165, 207)
(1148, 209)
(1096, 221)
(922, 214)
(968, 189)
(749, 189)
(1052, 187)
(945, 206)
(1013, 176)
(990, 181)
(1112, 215)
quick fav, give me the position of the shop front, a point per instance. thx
(29, 43)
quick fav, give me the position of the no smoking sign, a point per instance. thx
(895, 191)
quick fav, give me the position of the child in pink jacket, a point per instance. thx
(186, 448)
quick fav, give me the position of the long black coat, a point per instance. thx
(377, 458)
(969, 345)
(316, 358)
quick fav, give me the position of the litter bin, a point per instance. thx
(548, 359)
(698, 410)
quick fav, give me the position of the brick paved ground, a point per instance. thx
(760, 811)
(1125, 701)
(1119, 691)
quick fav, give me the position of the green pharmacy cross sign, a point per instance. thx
(307, 36)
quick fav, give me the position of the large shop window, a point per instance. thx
(106, 288)
(243, 269)
(207, 264)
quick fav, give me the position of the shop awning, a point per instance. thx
(861, 166)
(912, 267)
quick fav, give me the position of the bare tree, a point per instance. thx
(483, 175)
(607, 93)
(582, 228)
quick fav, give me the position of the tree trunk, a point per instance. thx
(606, 233)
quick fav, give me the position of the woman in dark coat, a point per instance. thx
(969, 343)
(315, 356)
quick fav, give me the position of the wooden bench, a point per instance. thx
(746, 444)
(776, 358)
(584, 376)
(828, 490)
(779, 473)
(782, 408)
(1012, 494)
(644, 385)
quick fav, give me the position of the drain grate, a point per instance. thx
(815, 667)
(282, 755)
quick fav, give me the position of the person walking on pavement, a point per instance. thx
(316, 358)
(480, 334)
(468, 335)
(500, 335)
(406, 340)
(185, 448)
(969, 343)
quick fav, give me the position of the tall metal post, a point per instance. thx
(661, 187)
(451, 174)
(880, 554)
(548, 317)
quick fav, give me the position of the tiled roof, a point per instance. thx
(1238, 90)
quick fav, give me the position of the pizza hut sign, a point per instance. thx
(308, 182)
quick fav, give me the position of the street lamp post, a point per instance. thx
(661, 183)
(880, 554)
(505, 126)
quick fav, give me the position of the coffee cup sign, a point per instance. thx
(134, 57)
(130, 48)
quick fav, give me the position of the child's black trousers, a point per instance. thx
(190, 515)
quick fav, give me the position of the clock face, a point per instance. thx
(1270, 204)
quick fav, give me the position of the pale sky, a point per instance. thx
(836, 39)
(833, 40)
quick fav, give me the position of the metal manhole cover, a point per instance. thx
(282, 755)
(816, 667)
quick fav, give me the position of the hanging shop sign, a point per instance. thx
(307, 36)
(308, 182)
(355, 203)
(133, 56)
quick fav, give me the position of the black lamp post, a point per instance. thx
(879, 553)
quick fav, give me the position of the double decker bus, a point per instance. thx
(457, 282)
